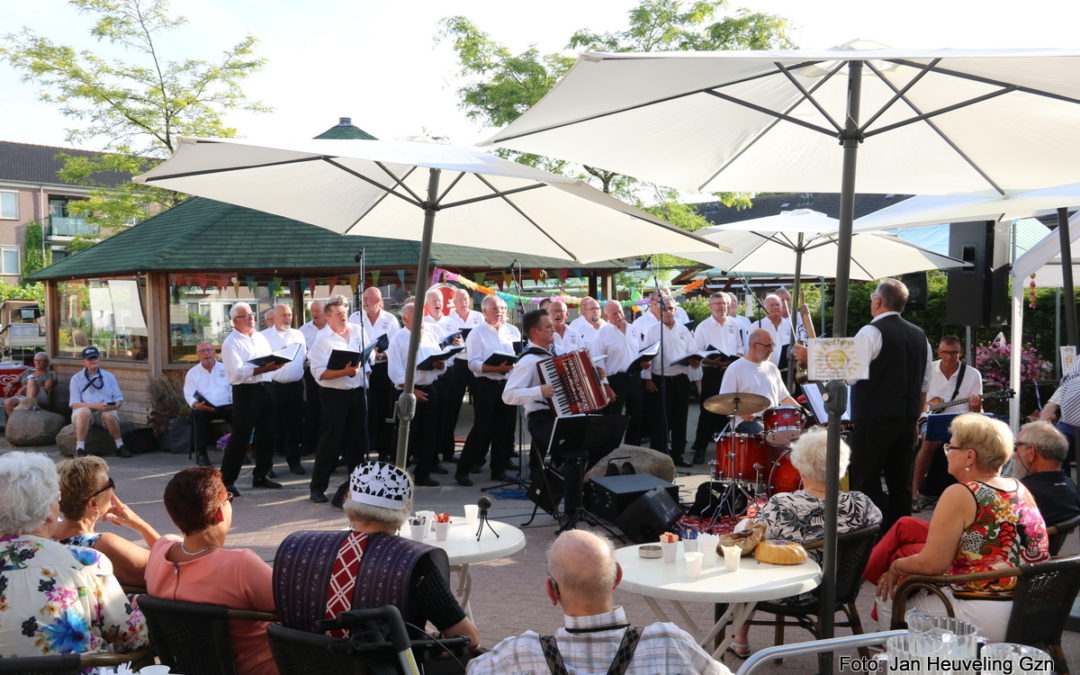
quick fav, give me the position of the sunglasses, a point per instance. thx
(110, 485)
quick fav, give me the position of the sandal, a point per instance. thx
(741, 650)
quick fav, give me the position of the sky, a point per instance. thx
(381, 63)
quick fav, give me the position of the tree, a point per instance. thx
(35, 255)
(139, 107)
(501, 86)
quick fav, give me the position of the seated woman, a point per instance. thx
(800, 516)
(984, 522)
(37, 384)
(197, 567)
(380, 499)
(87, 495)
(54, 599)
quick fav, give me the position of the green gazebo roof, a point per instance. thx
(344, 130)
(207, 236)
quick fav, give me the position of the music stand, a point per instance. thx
(580, 441)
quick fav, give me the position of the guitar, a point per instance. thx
(801, 368)
(937, 407)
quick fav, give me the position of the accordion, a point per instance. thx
(577, 385)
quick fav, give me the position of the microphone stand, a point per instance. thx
(647, 264)
(361, 255)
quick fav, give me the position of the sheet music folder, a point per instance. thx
(595, 434)
(286, 355)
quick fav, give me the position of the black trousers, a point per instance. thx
(708, 423)
(342, 433)
(253, 412)
(289, 418)
(423, 431)
(381, 396)
(650, 415)
(541, 424)
(676, 402)
(200, 425)
(455, 382)
(884, 446)
(312, 413)
(493, 427)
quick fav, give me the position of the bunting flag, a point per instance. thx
(375, 277)
(311, 284)
(252, 285)
(271, 288)
(354, 282)
(535, 274)
(563, 274)
(507, 279)
(236, 286)
(478, 276)
(401, 277)
(499, 282)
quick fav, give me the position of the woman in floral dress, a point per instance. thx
(54, 599)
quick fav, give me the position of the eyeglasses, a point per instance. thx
(1020, 444)
(949, 447)
(243, 316)
(110, 485)
(767, 345)
(948, 351)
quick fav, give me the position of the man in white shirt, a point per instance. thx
(422, 430)
(268, 319)
(342, 432)
(681, 317)
(671, 382)
(742, 321)
(524, 386)
(458, 378)
(581, 578)
(494, 423)
(376, 322)
(312, 406)
(618, 344)
(755, 373)
(950, 379)
(207, 391)
(720, 332)
(779, 328)
(567, 339)
(253, 403)
(288, 387)
(589, 322)
(94, 399)
(649, 401)
(438, 324)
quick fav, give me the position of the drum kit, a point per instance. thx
(759, 464)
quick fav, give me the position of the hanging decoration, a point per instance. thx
(1031, 292)
(375, 274)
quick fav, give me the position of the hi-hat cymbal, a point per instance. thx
(736, 403)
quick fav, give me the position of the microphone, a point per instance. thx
(484, 503)
(359, 256)
(645, 262)
(510, 267)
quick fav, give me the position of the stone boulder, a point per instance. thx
(98, 440)
(30, 425)
(645, 460)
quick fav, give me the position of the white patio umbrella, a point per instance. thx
(380, 188)
(874, 120)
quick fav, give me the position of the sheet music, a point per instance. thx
(814, 397)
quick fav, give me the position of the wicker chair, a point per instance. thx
(852, 551)
(192, 637)
(73, 664)
(1059, 532)
(1043, 598)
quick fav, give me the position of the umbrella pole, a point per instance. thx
(795, 296)
(850, 139)
(407, 401)
(1066, 275)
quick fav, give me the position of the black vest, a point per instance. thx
(896, 375)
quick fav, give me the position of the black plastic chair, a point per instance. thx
(192, 637)
(73, 664)
(852, 552)
(1059, 532)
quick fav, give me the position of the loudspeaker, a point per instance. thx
(972, 289)
(608, 496)
(917, 290)
(649, 516)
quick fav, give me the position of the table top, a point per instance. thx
(752, 582)
(463, 549)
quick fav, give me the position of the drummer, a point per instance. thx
(755, 373)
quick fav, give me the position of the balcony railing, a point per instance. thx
(69, 226)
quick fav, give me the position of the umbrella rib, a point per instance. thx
(780, 116)
(930, 123)
(461, 174)
(768, 128)
(204, 172)
(372, 181)
(988, 80)
(806, 95)
(497, 194)
(898, 95)
(401, 181)
(503, 196)
(922, 117)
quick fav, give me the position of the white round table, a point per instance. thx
(654, 579)
(463, 549)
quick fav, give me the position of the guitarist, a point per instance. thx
(951, 379)
(721, 333)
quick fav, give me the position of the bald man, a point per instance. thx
(457, 379)
(581, 577)
(377, 322)
(589, 321)
(618, 344)
(755, 373)
(567, 339)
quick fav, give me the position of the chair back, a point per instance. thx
(1059, 532)
(304, 653)
(66, 664)
(190, 637)
(852, 553)
(1042, 601)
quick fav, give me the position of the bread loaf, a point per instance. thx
(780, 552)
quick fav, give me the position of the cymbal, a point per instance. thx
(736, 403)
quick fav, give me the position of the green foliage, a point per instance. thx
(35, 291)
(502, 85)
(697, 307)
(35, 254)
(137, 107)
(81, 242)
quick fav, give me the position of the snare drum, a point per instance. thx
(783, 424)
(741, 457)
(784, 477)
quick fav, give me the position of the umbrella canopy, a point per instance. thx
(380, 188)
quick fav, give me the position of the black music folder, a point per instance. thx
(429, 362)
(499, 358)
(647, 354)
(340, 358)
(449, 339)
(285, 355)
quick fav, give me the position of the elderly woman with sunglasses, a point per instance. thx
(88, 496)
(983, 522)
(198, 568)
(54, 599)
(36, 383)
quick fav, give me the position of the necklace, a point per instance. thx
(196, 553)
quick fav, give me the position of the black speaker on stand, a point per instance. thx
(917, 290)
(977, 294)
(649, 516)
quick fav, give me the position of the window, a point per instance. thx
(9, 260)
(106, 313)
(9, 204)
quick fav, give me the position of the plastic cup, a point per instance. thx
(417, 532)
(154, 670)
(669, 549)
(693, 563)
(732, 556)
(690, 545)
(441, 531)
(707, 544)
(472, 512)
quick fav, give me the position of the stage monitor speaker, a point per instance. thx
(969, 300)
(917, 290)
(649, 516)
